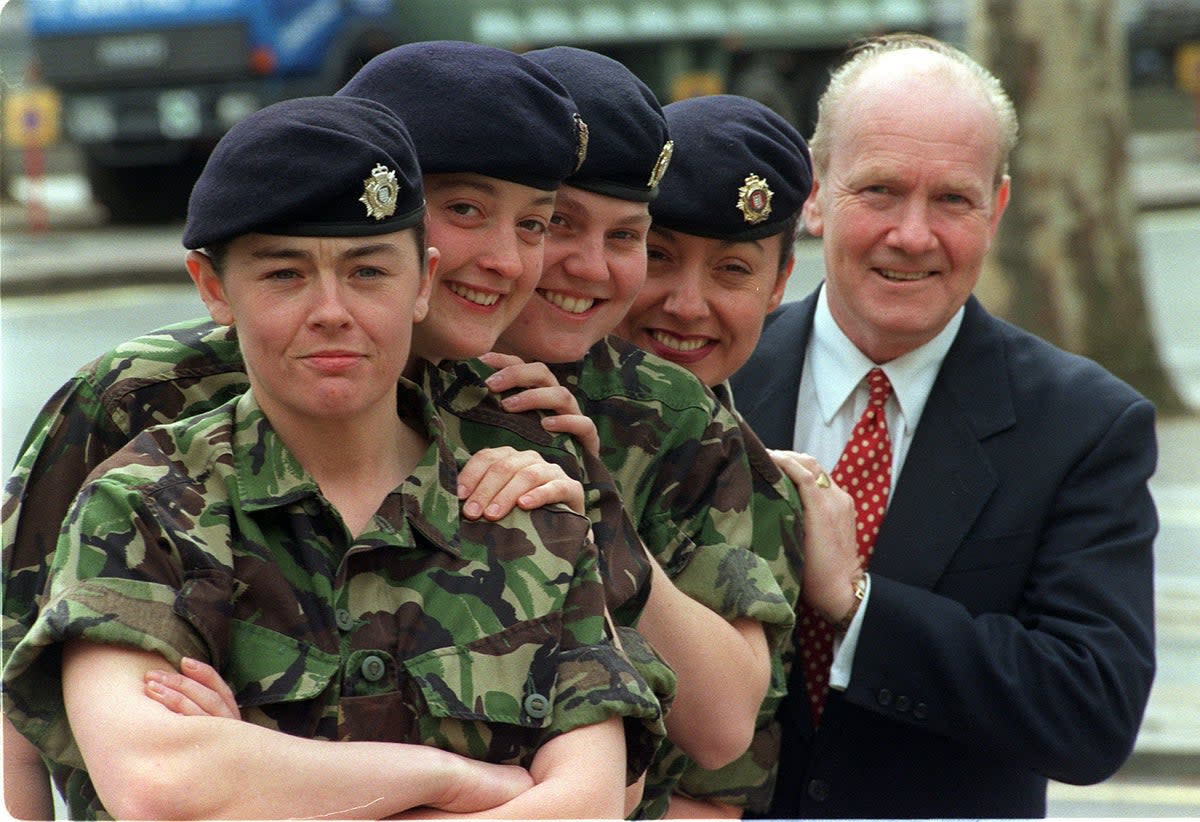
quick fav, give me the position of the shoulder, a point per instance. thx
(615, 368)
(169, 373)
(193, 346)
(184, 452)
(474, 418)
(1042, 374)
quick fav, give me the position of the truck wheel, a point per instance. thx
(142, 195)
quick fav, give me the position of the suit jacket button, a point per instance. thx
(884, 696)
(818, 790)
(903, 703)
(920, 710)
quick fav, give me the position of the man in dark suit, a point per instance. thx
(1002, 633)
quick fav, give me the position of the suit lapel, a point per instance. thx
(947, 477)
(775, 370)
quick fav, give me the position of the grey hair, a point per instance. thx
(865, 54)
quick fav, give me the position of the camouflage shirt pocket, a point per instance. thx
(282, 682)
(494, 698)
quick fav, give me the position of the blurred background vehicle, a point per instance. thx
(142, 89)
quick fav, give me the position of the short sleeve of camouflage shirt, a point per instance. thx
(178, 371)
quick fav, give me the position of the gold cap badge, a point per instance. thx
(754, 199)
(380, 192)
(581, 143)
(660, 166)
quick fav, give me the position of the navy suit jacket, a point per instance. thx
(1009, 636)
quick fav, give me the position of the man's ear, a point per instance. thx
(814, 220)
(1000, 202)
(210, 286)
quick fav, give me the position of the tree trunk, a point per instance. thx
(1067, 249)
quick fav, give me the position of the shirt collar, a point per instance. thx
(838, 366)
(269, 476)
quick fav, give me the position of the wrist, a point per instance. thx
(858, 589)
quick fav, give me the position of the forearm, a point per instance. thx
(580, 774)
(27, 793)
(147, 762)
(684, 808)
(723, 671)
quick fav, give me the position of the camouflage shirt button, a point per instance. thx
(537, 706)
(345, 622)
(373, 669)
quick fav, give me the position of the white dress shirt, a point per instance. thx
(833, 395)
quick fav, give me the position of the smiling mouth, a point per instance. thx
(676, 343)
(904, 276)
(569, 304)
(483, 298)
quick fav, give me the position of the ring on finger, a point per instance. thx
(823, 480)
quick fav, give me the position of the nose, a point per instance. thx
(503, 255)
(686, 298)
(586, 260)
(329, 309)
(912, 232)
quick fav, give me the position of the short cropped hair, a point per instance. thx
(865, 54)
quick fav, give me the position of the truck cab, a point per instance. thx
(149, 86)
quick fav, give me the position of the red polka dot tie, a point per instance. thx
(865, 471)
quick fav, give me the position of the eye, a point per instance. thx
(533, 224)
(958, 201)
(369, 273)
(657, 254)
(625, 235)
(282, 275)
(734, 268)
(464, 209)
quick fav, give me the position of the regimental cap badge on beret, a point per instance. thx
(380, 192)
(754, 199)
(660, 165)
(581, 143)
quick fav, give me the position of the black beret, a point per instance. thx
(740, 170)
(308, 167)
(475, 108)
(628, 146)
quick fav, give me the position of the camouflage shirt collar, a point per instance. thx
(724, 393)
(269, 475)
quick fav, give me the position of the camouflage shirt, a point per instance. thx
(206, 538)
(749, 780)
(716, 513)
(194, 366)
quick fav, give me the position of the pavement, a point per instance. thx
(1164, 174)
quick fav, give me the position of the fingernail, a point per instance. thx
(493, 511)
(462, 491)
(472, 509)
